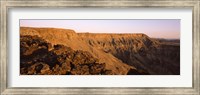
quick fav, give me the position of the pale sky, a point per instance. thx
(156, 28)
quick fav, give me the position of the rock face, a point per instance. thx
(62, 51)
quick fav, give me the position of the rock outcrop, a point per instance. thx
(39, 57)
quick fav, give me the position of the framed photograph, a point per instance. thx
(100, 47)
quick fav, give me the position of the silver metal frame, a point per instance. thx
(7, 4)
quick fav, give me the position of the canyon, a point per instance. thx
(55, 51)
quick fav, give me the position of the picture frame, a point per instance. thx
(7, 4)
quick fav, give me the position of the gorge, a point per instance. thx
(55, 51)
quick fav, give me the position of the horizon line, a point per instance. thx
(81, 32)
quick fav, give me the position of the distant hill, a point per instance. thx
(118, 54)
(169, 41)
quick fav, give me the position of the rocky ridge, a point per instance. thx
(40, 57)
